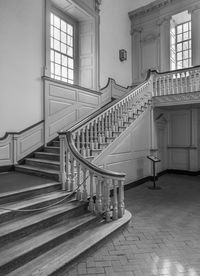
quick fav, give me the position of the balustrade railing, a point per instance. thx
(175, 82)
(86, 139)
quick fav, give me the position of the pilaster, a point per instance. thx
(195, 16)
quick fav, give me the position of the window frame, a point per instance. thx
(68, 19)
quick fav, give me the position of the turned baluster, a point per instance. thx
(115, 200)
(160, 87)
(87, 138)
(85, 194)
(83, 142)
(99, 195)
(95, 134)
(63, 175)
(92, 136)
(72, 181)
(78, 194)
(168, 84)
(121, 206)
(91, 202)
(177, 81)
(106, 196)
(78, 140)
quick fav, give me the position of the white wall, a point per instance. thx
(115, 35)
(21, 62)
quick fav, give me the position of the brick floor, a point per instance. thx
(163, 237)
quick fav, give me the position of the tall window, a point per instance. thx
(62, 49)
(181, 48)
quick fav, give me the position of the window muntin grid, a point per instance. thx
(61, 49)
(183, 45)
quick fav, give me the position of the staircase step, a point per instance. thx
(26, 249)
(52, 174)
(47, 156)
(42, 163)
(21, 227)
(29, 192)
(52, 149)
(39, 201)
(56, 260)
(56, 143)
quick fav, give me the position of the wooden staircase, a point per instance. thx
(38, 240)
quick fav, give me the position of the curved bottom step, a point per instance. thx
(57, 259)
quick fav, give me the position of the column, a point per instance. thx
(195, 16)
(193, 152)
(164, 26)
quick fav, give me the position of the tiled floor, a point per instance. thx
(163, 237)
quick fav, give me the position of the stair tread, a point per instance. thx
(47, 153)
(25, 245)
(29, 189)
(43, 161)
(22, 204)
(19, 223)
(28, 167)
(62, 254)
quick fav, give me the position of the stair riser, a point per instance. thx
(13, 215)
(47, 157)
(56, 143)
(53, 150)
(38, 173)
(29, 194)
(28, 230)
(23, 259)
(42, 165)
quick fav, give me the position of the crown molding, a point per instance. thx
(156, 5)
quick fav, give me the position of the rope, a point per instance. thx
(49, 206)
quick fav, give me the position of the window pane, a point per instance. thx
(69, 29)
(179, 56)
(63, 37)
(64, 60)
(179, 65)
(190, 53)
(57, 69)
(179, 38)
(56, 33)
(57, 77)
(51, 42)
(51, 30)
(56, 45)
(185, 45)
(70, 63)
(179, 29)
(56, 21)
(69, 41)
(69, 51)
(70, 74)
(63, 26)
(185, 36)
(190, 44)
(63, 48)
(185, 54)
(64, 79)
(57, 58)
(179, 47)
(64, 72)
(51, 19)
(52, 67)
(52, 55)
(185, 27)
(70, 81)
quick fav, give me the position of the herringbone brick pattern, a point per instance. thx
(163, 237)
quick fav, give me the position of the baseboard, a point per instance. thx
(137, 182)
(6, 168)
(192, 173)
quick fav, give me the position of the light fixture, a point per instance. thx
(122, 55)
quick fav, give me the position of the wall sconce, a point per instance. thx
(122, 55)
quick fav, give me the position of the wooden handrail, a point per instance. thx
(175, 71)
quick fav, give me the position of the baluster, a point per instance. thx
(115, 201)
(164, 86)
(91, 136)
(160, 93)
(95, 135)
(190, 81)
(172, 83)
(85, 195)
(98, 195)
(91, 202)
(72, 173)
(78, 194)
(167, 84)
(83, 142)
(62, 177)
(87, 147)
(106, 196)
(177, 81)
(78, 140)
(121, 207)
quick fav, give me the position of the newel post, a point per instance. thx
(62, 176)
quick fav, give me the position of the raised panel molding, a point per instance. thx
(6, 150)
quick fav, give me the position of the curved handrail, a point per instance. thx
(91, 166)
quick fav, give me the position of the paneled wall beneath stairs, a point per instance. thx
(128, 153)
